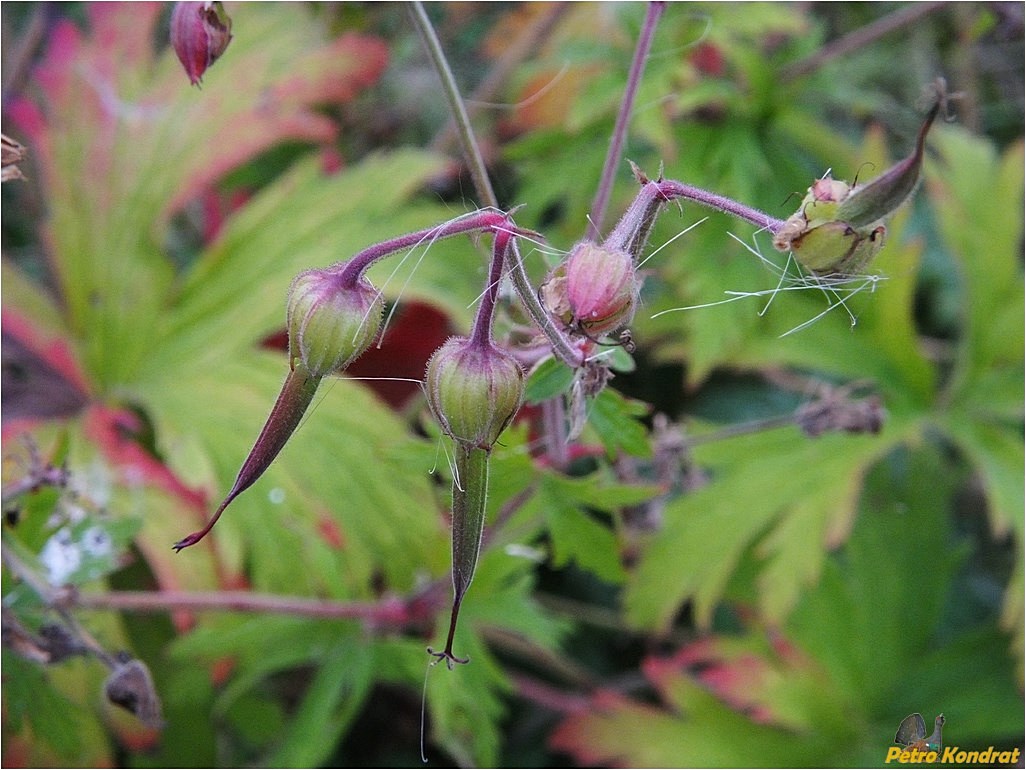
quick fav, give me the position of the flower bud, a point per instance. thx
(474, 390)
(595, 289)
(200, 33)
(330, 325)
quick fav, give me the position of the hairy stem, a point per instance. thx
(482, 331)
(562, 347)
(485, 219)
(672, 189)
(601, 201)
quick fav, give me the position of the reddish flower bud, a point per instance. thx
(474, 390)
(200, 33)
(331, 325)
(595, 289)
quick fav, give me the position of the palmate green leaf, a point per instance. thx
(235, 294)
(577, 536)
(879, 604)
(30, 703)
(465, 704)
(615, 420)
(551, 378)
(828, 687)
(778, 491)
(261, 645)
(268, 645)
(330, 704)
(979, 210)
(696, 730)
(125, 140)
(978, 196)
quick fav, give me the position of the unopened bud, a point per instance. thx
(331, 325)
(474, 390)
(200, 33)
(595, 290)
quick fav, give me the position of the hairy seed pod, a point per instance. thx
(595, 290)
(474, 390)
(331, 325)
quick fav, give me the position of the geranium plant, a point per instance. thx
(761, 576)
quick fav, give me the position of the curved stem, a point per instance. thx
(563, 349)
(481, 334)
(672, 189)
(475, 161)
(484, 219)
(601, 201)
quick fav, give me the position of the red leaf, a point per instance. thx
(115, 431)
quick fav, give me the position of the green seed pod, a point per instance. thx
(839, 229)
(469, 495)
(836, 248)
(331, 325)
(474, 390)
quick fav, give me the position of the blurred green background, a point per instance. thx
(696, 588)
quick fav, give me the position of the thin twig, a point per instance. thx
(601, 202)
(54, 599)
(475, 161)
(392, 612)
(860, 38)
(538, 29)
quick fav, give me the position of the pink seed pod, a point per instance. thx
(595, 290)
(200, 33)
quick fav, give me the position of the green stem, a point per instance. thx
(469, 495)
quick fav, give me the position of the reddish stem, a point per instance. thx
(483, 219)
(296, 395)
(601, 202)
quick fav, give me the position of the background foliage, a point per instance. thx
(678, 595)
